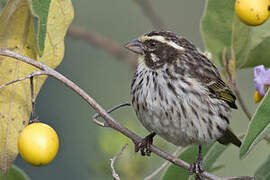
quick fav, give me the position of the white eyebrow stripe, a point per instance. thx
(163, 40)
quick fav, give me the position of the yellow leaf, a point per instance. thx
(17, 34)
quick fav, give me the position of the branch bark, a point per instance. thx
(112, 123)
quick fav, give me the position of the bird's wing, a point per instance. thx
(211, 78)
(220, 90)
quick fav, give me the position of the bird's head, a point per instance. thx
(157, 48)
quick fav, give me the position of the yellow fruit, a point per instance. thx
(38, 144)
(252, 12)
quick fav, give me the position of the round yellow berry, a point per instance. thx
(252, 12)
(38, 144)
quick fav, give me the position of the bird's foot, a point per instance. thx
(196, 168)
(144, 146)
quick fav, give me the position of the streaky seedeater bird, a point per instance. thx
(178, 94)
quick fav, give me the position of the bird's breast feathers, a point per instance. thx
(179, 111)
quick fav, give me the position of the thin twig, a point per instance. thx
(114, 174)
(102, 42)
(149, 12)
(112, 109)
(104, 124)
(32, 97)
(36, 73)
(111, 121)
(164, 165)
(34, 117)
(241, 102)
(232, 81)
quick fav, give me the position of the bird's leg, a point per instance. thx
(196, 167)
(144, 146)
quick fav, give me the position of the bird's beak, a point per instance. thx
(135, 46)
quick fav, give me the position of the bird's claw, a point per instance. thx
(144, 146)
(196, 168)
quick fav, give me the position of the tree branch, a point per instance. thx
(112, 123)
(149, 12)
(102, 42)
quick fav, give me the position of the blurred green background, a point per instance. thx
(85, 148)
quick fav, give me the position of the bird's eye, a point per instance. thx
(152, 44)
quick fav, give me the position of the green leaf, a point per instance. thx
(221, 28)
(259, 126)
(259, 54)
(15, 173)
(259, 41)
(263, 172)
(210, 154)
(40, 10)
(213, 154)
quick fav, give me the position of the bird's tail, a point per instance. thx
(230, 137)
